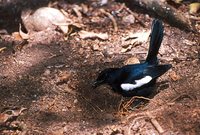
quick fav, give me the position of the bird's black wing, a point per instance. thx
(157, 70)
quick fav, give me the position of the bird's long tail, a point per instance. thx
(156, 38)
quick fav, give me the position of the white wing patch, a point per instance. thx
(139, 83)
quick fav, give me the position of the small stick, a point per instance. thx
(155, 123)
(133, 123)
(132, 99)
(92, 105)
(111, 18)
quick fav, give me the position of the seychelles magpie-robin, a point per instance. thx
(137, 79)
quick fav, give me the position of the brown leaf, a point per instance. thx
(4, 118)
(2, 49)
(77, 10)
(17, 36)
(86, 35)
(96, 47)
(9, 114)
(63, 77)
(132, 60)
(194, 7)
(174, 76)
(126, 49)
(138, 37)
(22, 34)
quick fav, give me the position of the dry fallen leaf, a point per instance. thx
(9, 114)
(132, 60)
(4, 118)
(126, 49)
(194, 7)
(174, 76)
(138, 37)
(96, 47)
(22, 34)
(2, 49)
(178, 1)
(63, 77)
(77, 9)
(85, 35)
(188, 42)
(17, 36)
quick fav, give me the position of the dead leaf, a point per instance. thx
(174, 76)
(132, 60)
(138, 37)
(65, 13)
(9, 114)
(17, 36)
(188, 42)
(22, 34)
(126, 49)
(63, 77)
(62, 26)
(86, 35)
(2, 49)
(96, 47)
(85, 8)
(3, 118)
(77, 9)
(178, 1)
(194, 7)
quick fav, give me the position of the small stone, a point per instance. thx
(130, 19)
(44, 18)
(47, 72)
(75, 101)
(64, 110)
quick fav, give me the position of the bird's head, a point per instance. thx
(104, 77)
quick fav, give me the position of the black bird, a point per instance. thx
(136, 79)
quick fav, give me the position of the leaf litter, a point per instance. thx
(73, 106)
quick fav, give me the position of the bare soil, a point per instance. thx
(31, 76)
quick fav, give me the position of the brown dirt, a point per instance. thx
(52, 78)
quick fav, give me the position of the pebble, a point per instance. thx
(130, 19)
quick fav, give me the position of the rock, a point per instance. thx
(44, 18)
(130, 19)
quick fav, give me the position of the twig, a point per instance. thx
(182, 96)
(144, 113)
(155, 123)
(133, 98)
(194, 18)
(133, 123)
(92, 105)
(111, 18)
(2, 49)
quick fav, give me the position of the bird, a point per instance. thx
(137, 79)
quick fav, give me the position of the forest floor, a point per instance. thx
(50, 77)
